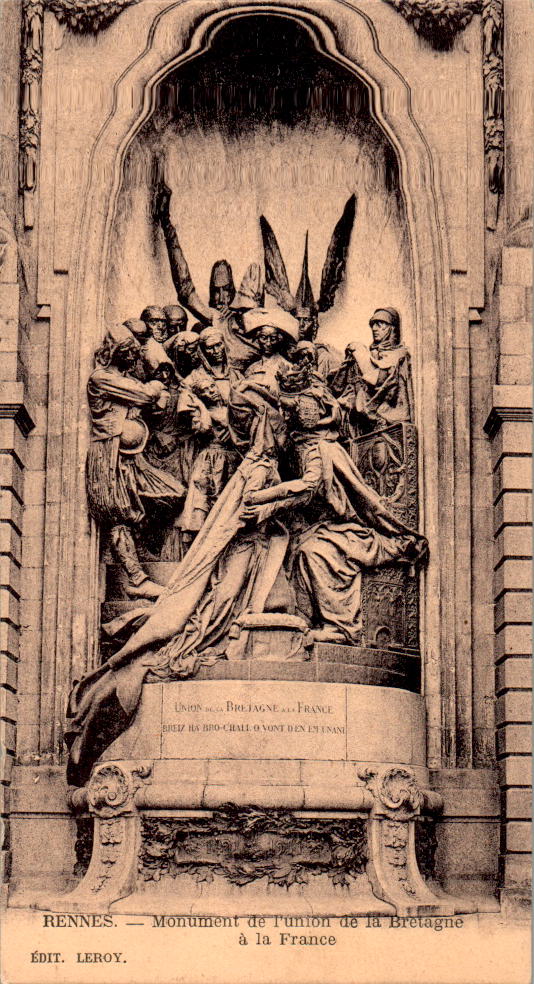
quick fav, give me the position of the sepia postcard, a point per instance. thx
(265, 527)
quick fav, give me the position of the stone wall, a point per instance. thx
(510, 431)
(49, 553)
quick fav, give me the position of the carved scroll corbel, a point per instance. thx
(109, 797)
(392, 868)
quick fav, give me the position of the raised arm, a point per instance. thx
(183, 283)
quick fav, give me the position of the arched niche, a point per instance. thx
(179, 33)
(264, 122)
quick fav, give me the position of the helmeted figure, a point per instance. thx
(224, 306)
(120, 479)
(374, 385)
(303, 305)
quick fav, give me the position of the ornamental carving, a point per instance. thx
(493, 71)
(244, 845)
(87, 16)
(438, 21)
(109, 791)
(82, 16)
(396, 791)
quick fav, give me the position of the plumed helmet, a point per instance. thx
(221, 276)
(273, 317)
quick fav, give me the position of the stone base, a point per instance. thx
(301, 796)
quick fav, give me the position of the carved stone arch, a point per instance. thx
(350, 39)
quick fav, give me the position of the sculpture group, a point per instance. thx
(223, 441)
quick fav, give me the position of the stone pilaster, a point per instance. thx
(15, 418)
(15, 424)
(509, 428)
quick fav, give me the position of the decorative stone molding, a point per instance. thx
(87, 16)
(493, 72)
(13, 406)
(438, 21)
(31, 68)
(81, 16)
(393, 869)
(246, 844)
(510, 403)
(109, 797)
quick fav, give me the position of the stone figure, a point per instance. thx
(374, 385)
(307, 314)
(274, 332)
(151, 352)
(156, 321)
(183, 351)
(303, 304)
(176, 319)
(120, 480)
(216, 458)
(341, 528)
(225, 306)
(337, 527)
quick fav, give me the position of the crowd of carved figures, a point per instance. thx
(164, 442)
(225, 441)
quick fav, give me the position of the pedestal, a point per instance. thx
(277, 795)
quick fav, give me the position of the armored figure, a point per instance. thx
(120, 479)
(374, 385)
(225, 306)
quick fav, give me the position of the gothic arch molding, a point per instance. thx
(177, 27)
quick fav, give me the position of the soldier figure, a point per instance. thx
(374, 385)
(120, 480)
